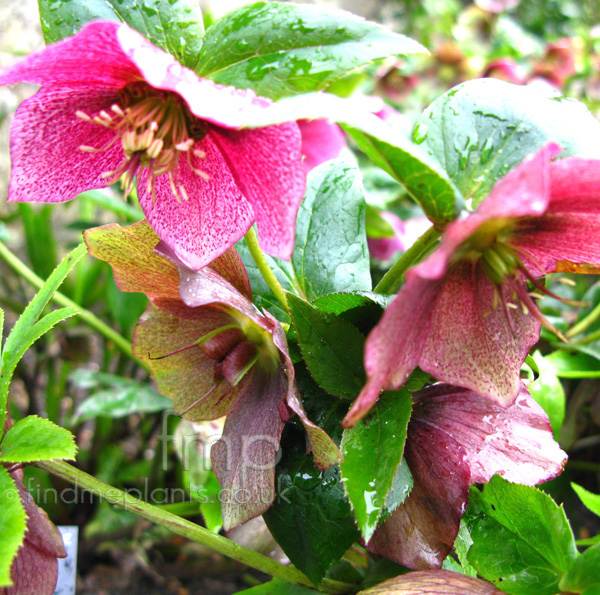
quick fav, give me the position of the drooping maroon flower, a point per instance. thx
(214, 354)
(114, 106)
(34, 570)
(505, 69)
(457, 438)
(322, 140)
(465, 314)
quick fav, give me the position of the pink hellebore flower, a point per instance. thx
(457, 438)
(34, 570)
(114, 106)
(465, 314)
(214, 354)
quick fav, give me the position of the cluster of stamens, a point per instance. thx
(155, 129)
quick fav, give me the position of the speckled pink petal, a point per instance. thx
(266, 165)
(469, 341)
(515, 442)
(575, 186)
(322, 140)
(92, 59)
(45, 136)
(543, 241)
(421, 531)
(433, 582)
(244, 459)
(216, 215)
(186, 377)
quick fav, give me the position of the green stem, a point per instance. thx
(91, 319)
(393, 279)
(264, 268)
(188, 529)
(584, 324)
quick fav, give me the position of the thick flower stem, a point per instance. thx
(88, 317)
(187, 529)
(264, 268)
(393, 279)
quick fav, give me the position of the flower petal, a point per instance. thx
(469, 340)
(92, 58)
(575, 186)
(244, 459)
(45, 136)
(186, 377)
(322, 140)
(515, 442)
(421, 531)
(216, 215)
(267, 167)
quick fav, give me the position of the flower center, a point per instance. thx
(155, 129)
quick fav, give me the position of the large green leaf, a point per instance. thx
(175, 26)
(331, 253)
(372, 456)
(36, 439)
(280, 49)
(590, 500)
(583, 576)
(12, 524)
(425, 180)
(522, 541)
(479, 130)
(332, 348)
(311, 518)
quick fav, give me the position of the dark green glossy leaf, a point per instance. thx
(522, 541)
(583, 574)
(280, 49)
(12, 524)
(338, 303)
(36, 439)
(481, 129)
(574, 365)
(331, 253)
(372, 455)
(332, 348)
(425, 181)
(311, 518)
(175, 26)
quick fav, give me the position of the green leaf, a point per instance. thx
(425, 181)
(338, 303)
(311, 518)
(36, 439)
(331, 253)
(175, 26)
(41, 245)
(481, 129)
(211, 513)
(12, 525)
(332, 348)
(549, 393)
(121, 396)
(125, 307)
(279, 49)
(277, 587)
(590, 501)
(583, 574)
(574, 365)
(372, 455)
(10, 359)
(522, 541)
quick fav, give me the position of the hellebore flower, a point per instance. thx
(457, 438)
(34, 570)
(113, 106)
(214, 354)
(465, 314)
